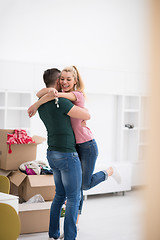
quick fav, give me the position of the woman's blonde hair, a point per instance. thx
(79, 86)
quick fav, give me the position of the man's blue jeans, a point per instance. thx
(88, 153)
(68, 179)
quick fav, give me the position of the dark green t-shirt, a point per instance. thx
(60, 134)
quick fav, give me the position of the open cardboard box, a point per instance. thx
(20, 152)
(26, 186)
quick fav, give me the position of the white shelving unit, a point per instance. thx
(130, 111)
(144, 125)
(13, 109)
(130, 144)
(133, 141)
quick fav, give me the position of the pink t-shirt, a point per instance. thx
(82, 134)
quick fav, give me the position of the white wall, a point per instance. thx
(107, 40)
(97, 33)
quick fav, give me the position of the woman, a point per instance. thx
(72, 88)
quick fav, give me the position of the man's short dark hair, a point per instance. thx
(50, 76)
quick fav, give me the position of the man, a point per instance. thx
(62, 157)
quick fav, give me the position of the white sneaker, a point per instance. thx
(116, 175)
(77, 227)
(62, 235)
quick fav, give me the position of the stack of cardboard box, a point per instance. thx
(34, 217)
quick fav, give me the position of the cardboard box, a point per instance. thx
(26, 186)
(20, 152)
(34, 217)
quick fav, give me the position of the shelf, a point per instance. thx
(144, 144)
(131, 118)
(143, 136)
(17, 119)
(13, 109)
(144, 129)
(18, 108)
(144, 119)
(2, 99)
(130, 146)
(131, 110)
(131, 129)
(131, 102)
(143, 153)
(19, 99)
(2, 117)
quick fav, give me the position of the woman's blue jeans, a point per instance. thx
(88, 153)
(68, 180)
